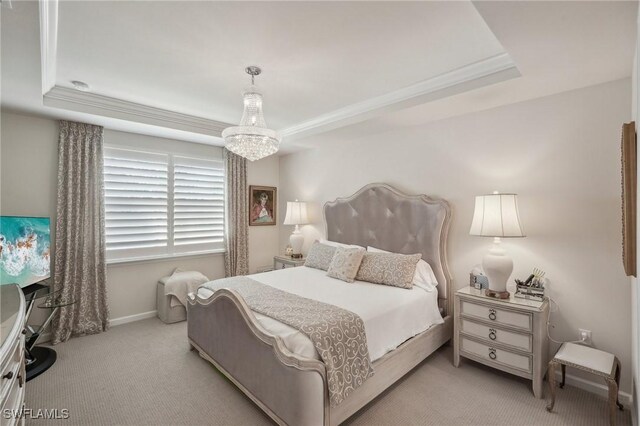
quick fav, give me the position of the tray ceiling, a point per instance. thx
(175, 69)
(323, 62)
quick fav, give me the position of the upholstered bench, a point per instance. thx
(167, 313)
(175, 288)
(593, 361)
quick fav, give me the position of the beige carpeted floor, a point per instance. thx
(143, 373)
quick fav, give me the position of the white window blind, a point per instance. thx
(198, 209)
(136, 195)
(161, 204)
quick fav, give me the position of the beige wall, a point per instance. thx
(559, 153)
(263, 240)
(28, 176)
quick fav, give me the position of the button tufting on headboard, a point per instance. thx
(381, 216)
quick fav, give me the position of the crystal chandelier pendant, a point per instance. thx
(252, 139)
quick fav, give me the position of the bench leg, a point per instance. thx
(620, 406)
(613, 400)
(551, 374)
(564, 371)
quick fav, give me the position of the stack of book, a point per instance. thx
(524, 291)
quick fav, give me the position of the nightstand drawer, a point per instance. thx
(515, 340)
(499, 316)
(496, 356)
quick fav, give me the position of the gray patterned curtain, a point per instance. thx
(236, 258)
(80, 270)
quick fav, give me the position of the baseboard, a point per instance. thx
(593, 387)
(46, 336)
(131, 318)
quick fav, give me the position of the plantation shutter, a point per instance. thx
(198, 213)
(136, 203)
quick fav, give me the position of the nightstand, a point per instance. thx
(509, 335)
(283, 262)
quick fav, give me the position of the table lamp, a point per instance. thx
(296, 215)
(496, 215)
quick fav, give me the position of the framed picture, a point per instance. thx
(629, 173)
(263, 204)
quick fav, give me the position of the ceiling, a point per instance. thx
(557, 46)
(338, 70)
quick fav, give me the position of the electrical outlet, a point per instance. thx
(585, 336)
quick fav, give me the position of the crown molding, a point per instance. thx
(93, 103)
(48, 42)
(482, 73)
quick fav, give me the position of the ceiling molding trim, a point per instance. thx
(488, 71)
(93, 103)
(48, 42)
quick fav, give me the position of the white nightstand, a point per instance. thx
(509, 335)
(283, 262)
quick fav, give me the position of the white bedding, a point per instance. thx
(391, 315)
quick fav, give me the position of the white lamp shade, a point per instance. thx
(296, 213)
(496, 215)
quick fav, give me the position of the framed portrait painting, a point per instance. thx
(263, 204)
(629, 176)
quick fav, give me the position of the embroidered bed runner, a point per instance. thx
(337, 334)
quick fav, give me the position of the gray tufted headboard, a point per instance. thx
(379, 215)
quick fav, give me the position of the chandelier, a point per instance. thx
(252, 139)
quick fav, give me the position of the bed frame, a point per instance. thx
(292, 389)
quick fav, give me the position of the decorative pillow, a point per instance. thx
(424, 276)
(345, 263)
(392, 269)
(320, 256)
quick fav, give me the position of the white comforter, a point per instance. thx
(391, 315)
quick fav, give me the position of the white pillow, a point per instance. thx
(336, 244)
(423, 277)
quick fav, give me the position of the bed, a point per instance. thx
(274, 364)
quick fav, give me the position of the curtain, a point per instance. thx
(79, 267)
(236, 258)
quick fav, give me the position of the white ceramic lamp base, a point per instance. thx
(296, 240)
(497, 266)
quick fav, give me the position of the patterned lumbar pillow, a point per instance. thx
(389, 269)
(320, 256)
(345, 263)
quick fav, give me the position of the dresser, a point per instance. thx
(508, 335)
(283, 262)
(12, 368)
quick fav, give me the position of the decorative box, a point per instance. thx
(478, 281)
(529, 292)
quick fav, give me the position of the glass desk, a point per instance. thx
(40, 358)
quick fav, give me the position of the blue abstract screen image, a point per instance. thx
(25, 249)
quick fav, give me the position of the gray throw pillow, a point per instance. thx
(320, 256)
(392, 269)
(345, 263)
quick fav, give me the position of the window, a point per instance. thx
(198, 206)
(160, 204)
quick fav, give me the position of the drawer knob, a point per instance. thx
(492, 353)
(8, 376)
(492, 314)
(492, 334)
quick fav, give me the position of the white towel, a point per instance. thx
(181, 283)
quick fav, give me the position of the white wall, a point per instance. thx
(28, 176)
(561, 154)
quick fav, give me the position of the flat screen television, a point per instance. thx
(25, 250)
